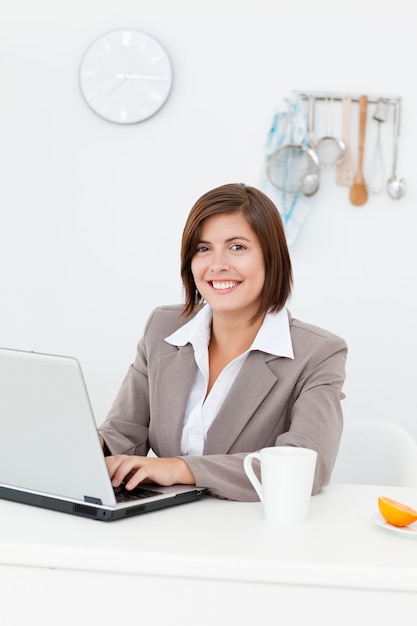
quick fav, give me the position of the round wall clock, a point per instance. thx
(125, 76)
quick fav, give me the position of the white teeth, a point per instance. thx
(224, 285)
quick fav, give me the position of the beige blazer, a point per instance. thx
(273, 401)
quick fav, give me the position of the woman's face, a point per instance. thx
(228, 265)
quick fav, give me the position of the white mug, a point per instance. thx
(287, 475)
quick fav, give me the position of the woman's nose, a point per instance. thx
(219, 265)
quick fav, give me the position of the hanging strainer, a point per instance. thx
(294, 167)
(330, 150)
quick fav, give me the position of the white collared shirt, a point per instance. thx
(273, 337)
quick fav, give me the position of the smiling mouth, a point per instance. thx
(226, 284)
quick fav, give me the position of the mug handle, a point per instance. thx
(247, 464)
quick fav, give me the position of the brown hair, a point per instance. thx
(264, 219)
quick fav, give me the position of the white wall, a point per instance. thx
(92, 213)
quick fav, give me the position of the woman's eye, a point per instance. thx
(201, 249)
(238, 246)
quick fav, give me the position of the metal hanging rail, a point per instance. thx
(335, 96)
(338, 96)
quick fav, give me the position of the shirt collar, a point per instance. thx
(273, 337)
(195, 331)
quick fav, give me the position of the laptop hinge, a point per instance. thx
(91, 500)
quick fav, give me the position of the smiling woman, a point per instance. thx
(228, 266)
(230, 371)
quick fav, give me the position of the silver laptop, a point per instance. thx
(50, 453)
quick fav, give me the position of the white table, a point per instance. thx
(210, 562)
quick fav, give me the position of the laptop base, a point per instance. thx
(96, 512)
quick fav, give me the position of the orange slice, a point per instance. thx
(396, 513)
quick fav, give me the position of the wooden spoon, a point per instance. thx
(358, 192)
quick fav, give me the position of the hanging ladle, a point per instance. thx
(396, 186)
(311, 179)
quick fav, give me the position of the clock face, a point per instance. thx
(125, 76)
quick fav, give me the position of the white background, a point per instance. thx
(92, 212)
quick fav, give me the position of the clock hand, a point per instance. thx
(140, 77)
(123, 78)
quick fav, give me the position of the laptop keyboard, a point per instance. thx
(122, 495)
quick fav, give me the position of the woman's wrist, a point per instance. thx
(186, 476)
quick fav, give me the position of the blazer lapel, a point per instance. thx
(175, 376)
(239, 405)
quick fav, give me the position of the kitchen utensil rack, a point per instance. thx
(395, 186)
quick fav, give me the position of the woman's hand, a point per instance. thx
(138, 469)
